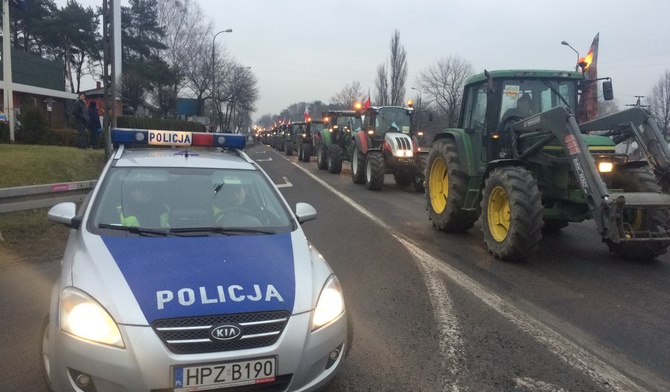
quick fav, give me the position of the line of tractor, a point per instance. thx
(519, 160)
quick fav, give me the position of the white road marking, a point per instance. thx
(263, 160)
(568, 351)
(536, 386)
(286, 184)
(451, 342)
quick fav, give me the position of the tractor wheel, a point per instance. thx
(335, 159)
(446, 187)
(403, 178)
(511, 213)
(358, 167)
(306, 152)
(321, 157)
(419, 175)
(640, 220)
(289, 148)
(374, 170)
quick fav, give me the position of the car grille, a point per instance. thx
(190, 335)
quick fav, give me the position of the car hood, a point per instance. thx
(142, 279)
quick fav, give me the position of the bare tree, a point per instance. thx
(348, 96)
(241, 93)
(185, 35)
(443, 83)
(382, 85)
(391, 77)
(398, 70)
(659, 102)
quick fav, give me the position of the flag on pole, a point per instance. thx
(588, 103)
(306, 114)
(367, 103)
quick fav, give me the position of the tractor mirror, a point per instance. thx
(608, 92)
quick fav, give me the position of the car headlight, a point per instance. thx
(84, 317)
(330, 304)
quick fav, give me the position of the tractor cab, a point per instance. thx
(377, 121)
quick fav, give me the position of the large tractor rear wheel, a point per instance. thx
(358, 167)
(335, 159)
(446, 187)
(289, 148)
(511, 213)
(639, 220)
(374, 170)
(419, 175)
(321, 157)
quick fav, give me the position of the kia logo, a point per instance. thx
(225, 332)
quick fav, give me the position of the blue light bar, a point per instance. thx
(177, 138)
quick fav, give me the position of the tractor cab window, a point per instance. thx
(475, 108)
(525, 97)
(391, 119)
(317, 127)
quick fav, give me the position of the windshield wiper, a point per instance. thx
(220, 230)
(136, 230)
(552, 88)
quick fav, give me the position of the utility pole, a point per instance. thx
(109, 37)
(7, 70)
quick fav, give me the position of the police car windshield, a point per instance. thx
(188, 200)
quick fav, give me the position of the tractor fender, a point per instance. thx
(394, 141)
(500, 163)
(468, 150)
(361, 141)
(324, 137)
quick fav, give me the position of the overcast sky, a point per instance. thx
(306, 50)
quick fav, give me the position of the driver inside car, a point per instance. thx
(231, 207)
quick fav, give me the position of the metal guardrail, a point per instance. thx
(42, 196)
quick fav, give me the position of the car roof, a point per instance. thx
(191, 157)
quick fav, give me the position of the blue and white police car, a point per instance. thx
(186, 270)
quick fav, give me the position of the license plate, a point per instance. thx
(224, 375)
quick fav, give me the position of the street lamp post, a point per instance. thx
(578, 57)
(419, 91)
(214, 89)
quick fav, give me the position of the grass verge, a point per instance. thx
(29, 235)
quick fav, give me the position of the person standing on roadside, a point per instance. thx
(80, 113)
(94, 125)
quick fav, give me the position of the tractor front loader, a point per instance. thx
(521, 162)
(627, 204)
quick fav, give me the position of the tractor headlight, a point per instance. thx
(84, 317)
(605, 167)
(403, 153)
(330, 304)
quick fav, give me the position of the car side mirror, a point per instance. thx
(65, 213)
(304, 212)
(608, 92)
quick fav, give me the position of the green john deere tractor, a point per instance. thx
(520, 160)
(333, 143)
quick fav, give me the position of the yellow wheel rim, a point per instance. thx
(498, 214)
(438, 182)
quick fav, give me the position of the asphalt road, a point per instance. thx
(434, 311)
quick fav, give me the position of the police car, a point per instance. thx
(186, 270)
